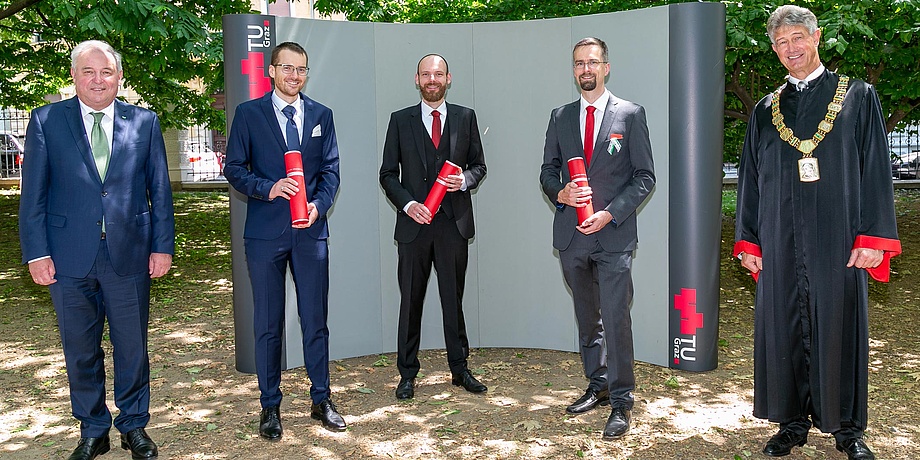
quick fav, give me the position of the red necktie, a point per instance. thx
(589, 134)
(436, 128)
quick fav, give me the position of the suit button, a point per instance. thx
(104, 193)
(99, 223)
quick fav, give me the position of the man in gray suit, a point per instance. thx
(611, 135)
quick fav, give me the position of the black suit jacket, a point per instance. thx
(620, 179)
(403, 172)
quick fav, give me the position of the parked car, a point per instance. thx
(199, 162)
(906, 165)
(11, 153)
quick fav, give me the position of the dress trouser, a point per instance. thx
(83, 305)
(439, 244)
(268, 261)
(602, 290)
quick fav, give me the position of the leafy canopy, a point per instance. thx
(172, 51)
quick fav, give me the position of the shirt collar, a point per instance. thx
(426, 109)
(599, 104)
(281, 103)
(817, 73)
(85, 110)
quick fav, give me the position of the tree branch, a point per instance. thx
(15, 7)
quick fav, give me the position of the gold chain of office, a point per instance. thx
(825, 126)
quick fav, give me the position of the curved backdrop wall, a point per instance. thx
(668, 59)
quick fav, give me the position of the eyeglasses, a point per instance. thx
(590, 65)
(288, 69)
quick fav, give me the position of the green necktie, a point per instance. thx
(100, 144)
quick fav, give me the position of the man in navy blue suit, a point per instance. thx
(262, 131)
(95, 225)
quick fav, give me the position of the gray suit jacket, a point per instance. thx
(620, 179)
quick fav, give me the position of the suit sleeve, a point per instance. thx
(643, 177)
(160, 193)
(389, 168)
(476, 163)
(550, 172)
(239, 158)
(33, 234)
(328, 182)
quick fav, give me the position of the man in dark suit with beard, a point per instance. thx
(420, 138)
(611, 135)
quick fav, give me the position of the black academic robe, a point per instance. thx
(811, 331)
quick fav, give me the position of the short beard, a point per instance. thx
(435, 96)
(588, 85)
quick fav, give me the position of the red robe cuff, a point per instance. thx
(891, 248)
(750, 248)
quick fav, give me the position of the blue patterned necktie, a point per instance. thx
(293, 139)
(99, 144)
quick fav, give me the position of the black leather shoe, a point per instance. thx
(270, 423)
(405, 389)
(617, 424)
(140, 445)
(591, 399)
(90, 448)
(781, 443)
(326, 412)
(856, 449)
(468, 382)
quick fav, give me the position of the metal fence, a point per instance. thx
(201, 150)
(201, 154)
(12, 137)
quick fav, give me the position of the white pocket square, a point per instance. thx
(317, 131)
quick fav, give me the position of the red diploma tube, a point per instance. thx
(294, 165)
(578, 175)
(436, 194)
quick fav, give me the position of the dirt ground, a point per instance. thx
(202, 408)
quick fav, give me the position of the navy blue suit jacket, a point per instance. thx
(255, 161)
(64, 200)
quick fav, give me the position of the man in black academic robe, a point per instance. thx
(811, 244)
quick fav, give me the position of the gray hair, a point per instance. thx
(791, 15)
(88, 45)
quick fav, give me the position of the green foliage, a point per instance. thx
(729, 201)
(172, 51)
(873, 40)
